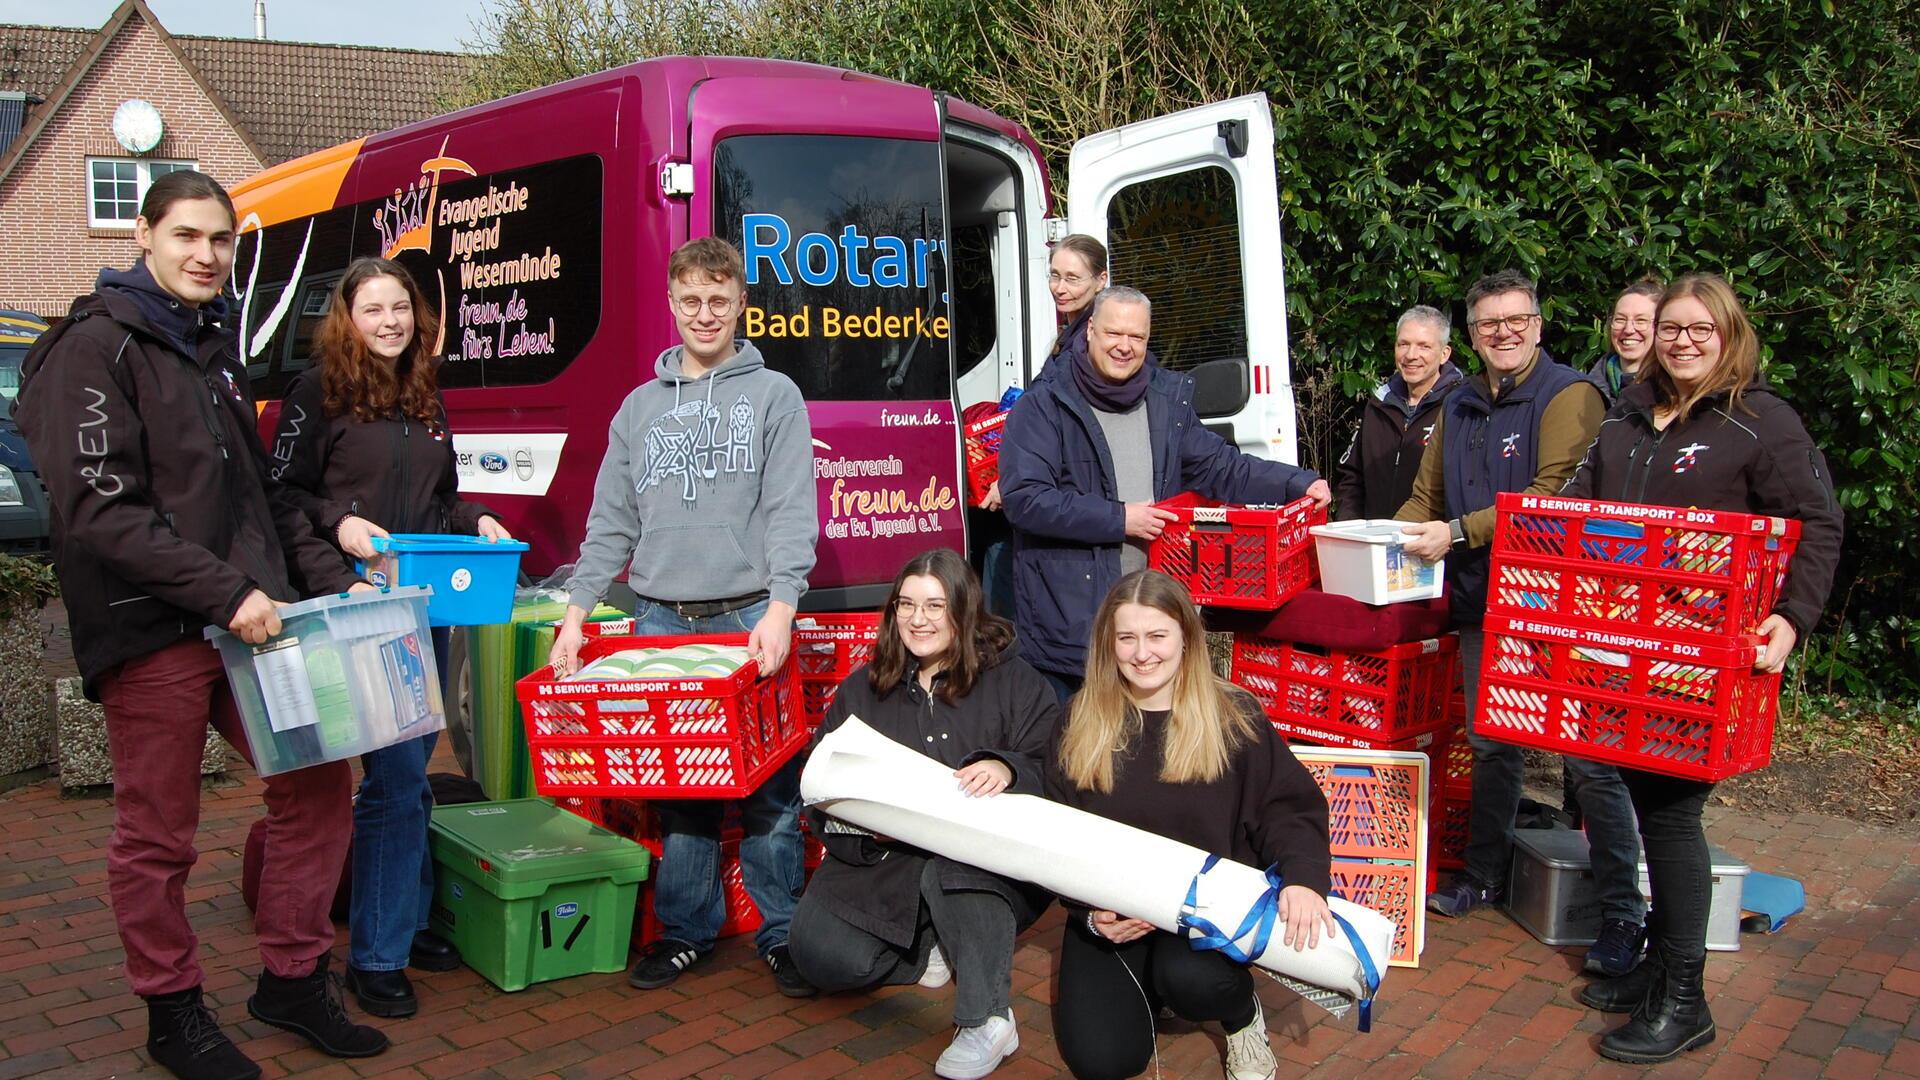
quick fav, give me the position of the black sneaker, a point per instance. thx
(311, 1006)
(786, 976)
(1617, 950)
(184, 1039)
(662, 962)
(1463, 895)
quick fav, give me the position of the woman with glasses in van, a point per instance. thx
(946, 680)
(363, 448)
(1076, 272)
(1702, 429)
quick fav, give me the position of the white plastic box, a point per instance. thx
(346, 675)
(1365, 560)
(1550, 890)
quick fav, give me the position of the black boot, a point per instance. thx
(431, 952)
(185, 1039)
(1672, 1019)
(311, 1006)
(1624, 993)
(383, 993)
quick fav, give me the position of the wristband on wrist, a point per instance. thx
(1091, 928)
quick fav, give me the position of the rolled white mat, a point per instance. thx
(864, 778)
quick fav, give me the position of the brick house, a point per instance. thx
(71, 184)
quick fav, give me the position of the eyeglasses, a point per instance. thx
(1641, 323)
(1072, 281)
(690, 306)
(934, 610)
(1699, 333)
(1516, 324)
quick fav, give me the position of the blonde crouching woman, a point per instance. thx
(1155, 740)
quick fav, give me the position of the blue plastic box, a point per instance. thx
(472, 579)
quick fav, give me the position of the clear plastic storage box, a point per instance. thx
(1366, 561)
(347, 674)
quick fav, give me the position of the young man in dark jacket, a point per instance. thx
(1087, 451)
(1519, 425)
(1375, 475)
(166, 521)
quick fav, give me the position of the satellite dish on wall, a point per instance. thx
(137, 126)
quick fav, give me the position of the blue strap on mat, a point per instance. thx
(1260, 920)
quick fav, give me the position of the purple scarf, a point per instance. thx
(1099, 391)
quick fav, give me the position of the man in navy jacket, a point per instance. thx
(1087, 451)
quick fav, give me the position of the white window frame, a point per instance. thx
(143, 179)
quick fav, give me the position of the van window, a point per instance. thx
(846, 269)
(514, 258)
(1175, 239)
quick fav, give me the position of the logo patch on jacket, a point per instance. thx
(1426, 435)
(1689, 457)
(1510, 445)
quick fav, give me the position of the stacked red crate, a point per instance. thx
(1625, 634)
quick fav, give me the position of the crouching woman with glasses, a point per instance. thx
(946, 680)
(1702, 429)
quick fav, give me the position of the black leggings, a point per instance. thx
(1679, 870)
(1109, 995)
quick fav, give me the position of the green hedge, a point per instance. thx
(1421, 144)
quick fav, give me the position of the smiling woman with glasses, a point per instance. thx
(945, 680)
(1630, 332)
(1076, 273)
(1702, 429)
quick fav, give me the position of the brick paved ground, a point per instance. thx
(1834, 995)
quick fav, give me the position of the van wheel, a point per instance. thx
(460, 700)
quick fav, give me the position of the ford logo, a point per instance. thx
(494, 463)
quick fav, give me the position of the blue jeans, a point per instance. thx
(1613, 837)
(687, 898)
(392, 866)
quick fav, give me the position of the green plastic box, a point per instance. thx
(531, 893)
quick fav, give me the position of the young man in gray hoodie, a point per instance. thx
(707, 488)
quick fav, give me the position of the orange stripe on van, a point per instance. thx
(299, 188)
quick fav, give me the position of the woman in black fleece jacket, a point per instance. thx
(1156, 741)
(1701, 429)
(363, 448)
(946, 680)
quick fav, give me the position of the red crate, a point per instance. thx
(1345, 698)
(983, 455)
(1390, 889)
(1630, 698)
(1702, 576)
(741, 916)
(827, 649)
(1447, 829)
(659, 738)
(1254, 558)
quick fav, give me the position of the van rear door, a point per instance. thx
(833, 190)
(1188, 206)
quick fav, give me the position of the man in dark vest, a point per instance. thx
(1397, 420)
(1520, 424)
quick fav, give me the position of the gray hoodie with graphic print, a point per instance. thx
(707, 487)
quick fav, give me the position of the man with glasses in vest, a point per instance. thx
(1521, 424)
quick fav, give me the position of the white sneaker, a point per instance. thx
(938, 974)
(1249, 1054)
(977, 1051)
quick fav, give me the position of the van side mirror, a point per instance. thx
(1220, 387)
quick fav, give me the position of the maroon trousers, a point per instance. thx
(158, 708)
